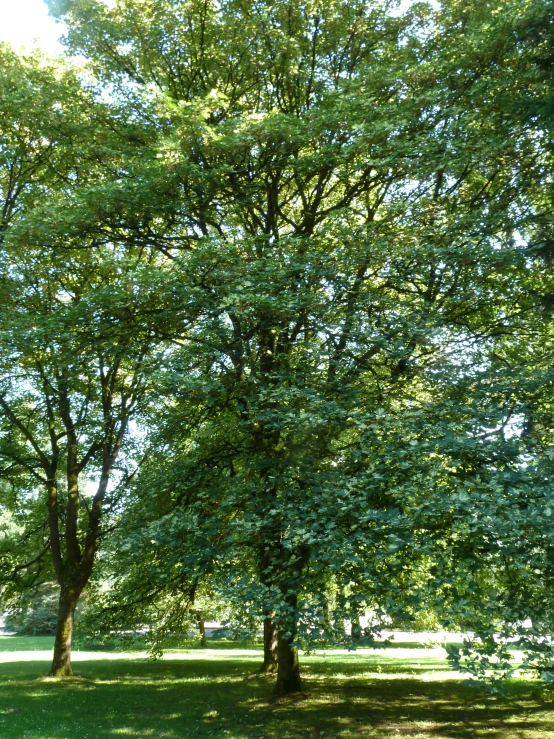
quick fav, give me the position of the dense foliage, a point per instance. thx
(278, 278)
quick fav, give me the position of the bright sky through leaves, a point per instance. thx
(26, 24)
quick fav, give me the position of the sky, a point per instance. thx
(26, 24)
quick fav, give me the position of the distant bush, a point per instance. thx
(421, 620)
(37, 614)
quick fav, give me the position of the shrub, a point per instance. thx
(37, 613)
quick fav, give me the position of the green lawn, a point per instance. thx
(396, 692)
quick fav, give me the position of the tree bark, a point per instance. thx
(355, 627)
(270, 627)
(61, 662)
(338, 624)
(270, 646)
(288, 671)
(202, 630)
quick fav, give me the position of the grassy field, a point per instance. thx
(405, 691)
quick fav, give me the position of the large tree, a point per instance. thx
(498, 572)
(71, 383)
(336, 191)
(73, 362)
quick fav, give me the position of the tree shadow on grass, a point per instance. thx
(202, 698)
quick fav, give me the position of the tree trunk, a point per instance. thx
(339, 627)
(202, 630)
(288, 671)
(326, 625)
(270, 627)
(355, 627)
(61, 663)
(270, 646)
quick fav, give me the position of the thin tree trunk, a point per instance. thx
(61, 662)
(338, 624)
(355, 627)
(270, 627)
(288, 671)
(202, 630)
(270, 646)
(326, 625)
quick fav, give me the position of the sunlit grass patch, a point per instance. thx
(26, 643)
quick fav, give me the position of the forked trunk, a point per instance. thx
(61, 662)
(288, 670)
(270, 646)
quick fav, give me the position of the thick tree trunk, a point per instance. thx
(288, 671)
(61, 662)
(270, 646)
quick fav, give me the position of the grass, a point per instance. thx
(405, 691)
(25, 643)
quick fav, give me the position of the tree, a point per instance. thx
(338, 197)
(72, 381)
(494, 574)
(526, 96)
(72, 373)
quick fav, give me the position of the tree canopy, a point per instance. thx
(298, 256)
